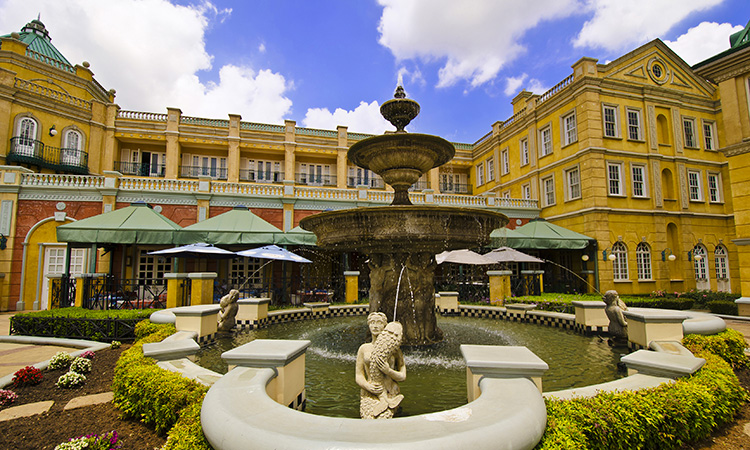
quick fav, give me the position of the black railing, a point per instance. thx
(264, 177)
(454, 188)
(109, 293)
(372, 183)
(197, 171)
(74, 328)
(315, 179)
(31, 151)
(418, 186)
(63, 292)
(140, 169)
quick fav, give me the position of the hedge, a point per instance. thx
(723, 307)
(729, 345)
(663, 417)
(79, 323)
(162, 399)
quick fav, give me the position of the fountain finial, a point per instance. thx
(399, 110)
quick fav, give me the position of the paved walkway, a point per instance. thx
(16, 356)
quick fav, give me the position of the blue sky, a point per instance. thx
(333, 62)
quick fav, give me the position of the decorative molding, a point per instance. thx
(682, 177)
(652, 136)
(737, 72)
(736, 149)
(638, 72)
(658, 195)
(56, 196)
(677, 130)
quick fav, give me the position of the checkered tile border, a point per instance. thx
(300, 402)
(360, 310)
(554, 322)
(207, 340)
(590, 330)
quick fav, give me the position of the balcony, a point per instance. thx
(216, 173)
(34, 152)
(372, 183)
(255, 176)
(418, 186)
(315, 180)
(455, 188)
(140, 169)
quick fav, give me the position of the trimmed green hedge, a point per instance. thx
(164, 400)
(79, 323)
(663, 417)
(83, 313)
(723, 307)
(729, 345)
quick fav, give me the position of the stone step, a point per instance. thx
(86, 400)
(27, 410)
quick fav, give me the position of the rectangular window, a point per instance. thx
(610, 121)
(505, 161)
(506, 194)
(714, 188)
(569, 129)
(639, 181)
(526, 192)
(524, 147)
(480, 174)
(634, 125)
(688, 126)
(545, 140)
(490, 163)
(694, 186)
(573, 181)
(614, 177)
(709, 139)
(548, 187)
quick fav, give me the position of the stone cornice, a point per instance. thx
(736, 149)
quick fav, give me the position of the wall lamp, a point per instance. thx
(667, 254)
(611, 256)
(52, 131)
(584, 257)
(692, 256)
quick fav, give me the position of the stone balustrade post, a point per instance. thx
(202, 319)
(447, 302)
(743, 306)
(495, 361)
(202, 287)
(352, 285)
(175, 288)
(645, 326)
(50, 291)
(252, 312)
(590, 316)
(318, 310)
(499, 286)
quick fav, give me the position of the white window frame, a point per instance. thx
(505, 194)
(643, 261)
(568, 128)
(526, 191)
(545, 141)
(505, 162)
(548, 190)
(573, 183)
(714, 188)
(639, 179)
(26, 132)
(700, 266)
(70, 153)
(615, 187)
(615, 122)
(480, 174)
(721, 262)
(709, 139)
(620, 263)
(524, 150)
(636, 128)
(695, 185)
(490, 169)
(689, 132)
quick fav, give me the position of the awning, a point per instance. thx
(503, 237)
(134, 224)
(507, 254)
(296, 236)
(237, 226)
(540, 234)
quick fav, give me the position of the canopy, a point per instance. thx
(504, 236)
(463, 257)
(540, 234)
(237, 226)
(507, 254)
(199, 250)
(273, 252)
(295, 236)
(134, 224)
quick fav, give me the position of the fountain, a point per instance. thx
(401, 240)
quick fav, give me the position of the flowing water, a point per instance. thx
(436, 376)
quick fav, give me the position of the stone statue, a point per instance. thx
(228, 311)
(380, 367)
(618, 326)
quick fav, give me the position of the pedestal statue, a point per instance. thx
(618, 326)
(380, 367)
(228, 311)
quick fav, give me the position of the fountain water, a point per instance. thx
(403, 239)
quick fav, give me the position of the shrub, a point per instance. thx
(115, 344)
(61, 360)
(107, 441)
(7, 397)
(729, 345)
(70, 380)
(722, 307)
(79, 323)
(27, 376)
(187, 433)
(80, 365)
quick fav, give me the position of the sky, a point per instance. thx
(327, 63)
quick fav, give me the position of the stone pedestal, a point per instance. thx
(661, 364)
(743, 306)
(202, 288)
(318, 310)
(352, 286)
(202, 319)
(175, 288)
(499, 286)
(446, 302)
(286, 357)
(517, 311)
(252, 312)
(645, 326)
(494, 361)
(590, 316)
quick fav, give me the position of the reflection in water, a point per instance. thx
(436, 376)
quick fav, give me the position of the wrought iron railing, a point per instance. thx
(140, 169)
(109, 293)
(372, 183)
(34, 152)
(197, 171)
(257, 176)
(63, 292)
(315, 179)
(455, 188)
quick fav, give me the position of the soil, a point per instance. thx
(45, 431)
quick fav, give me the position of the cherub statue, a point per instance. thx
(228, 311)
(380, 367)
(618, 326)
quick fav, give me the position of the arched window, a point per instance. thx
(700, 263)
(722, 262)
(26, 137)
(620, 264)
(70, 155)
(643, 260)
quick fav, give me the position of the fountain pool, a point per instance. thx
(575, 360)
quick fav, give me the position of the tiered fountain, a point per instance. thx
(401, 240)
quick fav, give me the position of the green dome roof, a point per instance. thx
(36, 36)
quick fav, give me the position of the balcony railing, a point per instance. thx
(315, 180)
(418, 186)
(140, 169)
(197, 171)
(31, 151)
(261, 176)
(372, 183)
(455, 188)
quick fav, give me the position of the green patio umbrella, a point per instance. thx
(295, 236)
(541, 234)
(237, 226)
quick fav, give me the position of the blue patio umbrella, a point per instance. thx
(273, 252)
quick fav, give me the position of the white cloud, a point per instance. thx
(475, 38)
(151, 52)
(408, 77)
(262, 48)
(513, 83)
(619, 25)
(703, 41)
(365, 118)
(536, 86)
